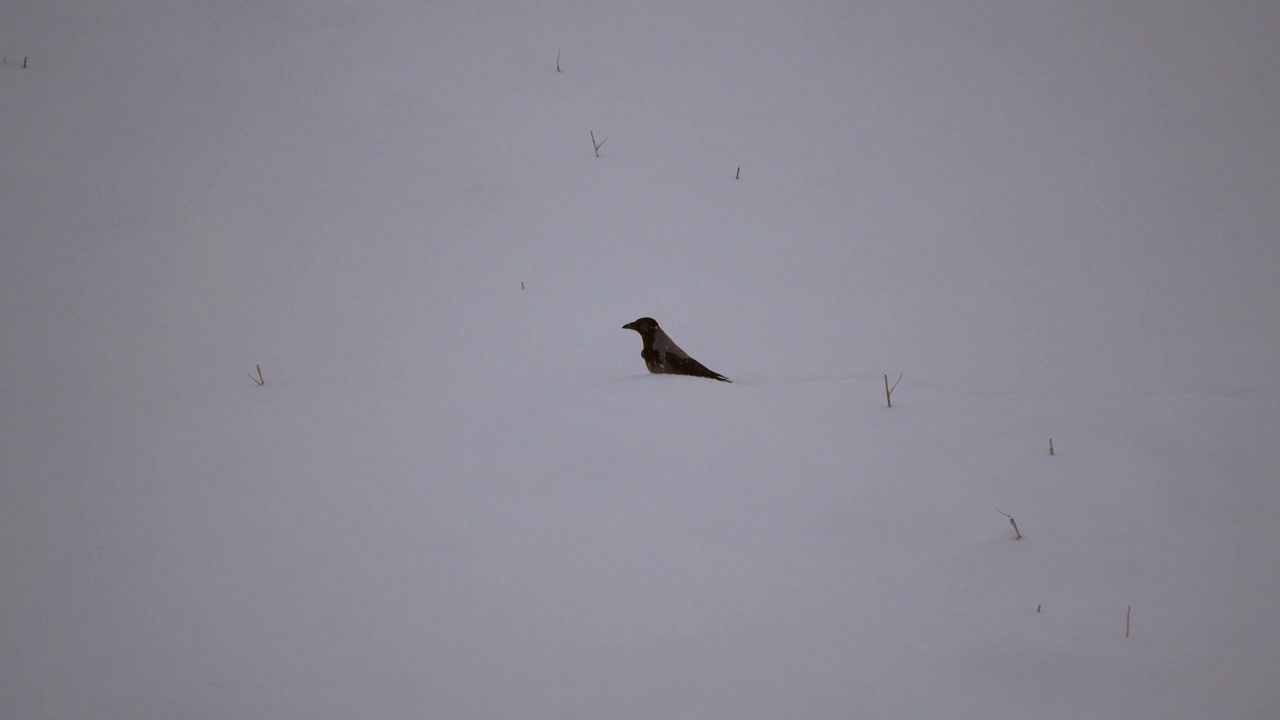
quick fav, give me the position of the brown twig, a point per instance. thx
(597, 145)
(557, 61)
(1016, 535)
(258, 379)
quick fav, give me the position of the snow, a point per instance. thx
(455, 497)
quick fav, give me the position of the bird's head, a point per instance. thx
(643, 325)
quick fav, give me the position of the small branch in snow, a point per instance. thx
(597, 145)
(1037, 608)
(888, 391)
(1127, 611)
(24, 62)
(258, 379)
(557, 61)
(1016, 535)
(738, 175)
(1050, 447)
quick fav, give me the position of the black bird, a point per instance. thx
(661, 355)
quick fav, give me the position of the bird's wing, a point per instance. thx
(689, 366)
(666, 348)
(677, 361)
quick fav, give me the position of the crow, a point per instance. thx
(661, 355)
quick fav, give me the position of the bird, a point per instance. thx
(661, 355)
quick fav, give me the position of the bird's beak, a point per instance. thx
(628, 326)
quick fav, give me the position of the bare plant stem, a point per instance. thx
(557, 61)
(1051, 447)
(1016, 535)
(888, 391)
(738, 175)
(258, 379)
(1128, 610)
(597, 145)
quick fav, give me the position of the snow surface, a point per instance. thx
(458, 498)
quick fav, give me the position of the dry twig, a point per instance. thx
(888, 391)
(1016, 535)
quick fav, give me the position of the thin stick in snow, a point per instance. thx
(1016, 535)
(258, 379)
(597, 145)
(1127, 611)
(557, 61)
(1051, 447)
(888, 391)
